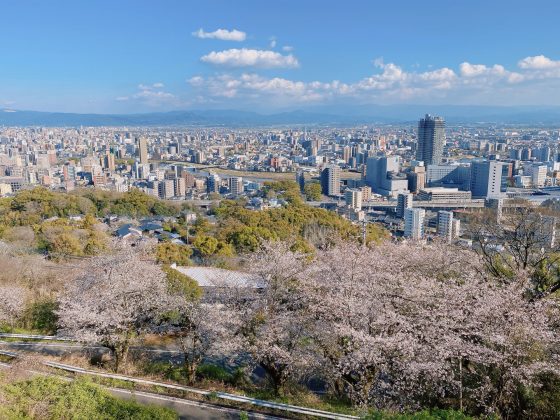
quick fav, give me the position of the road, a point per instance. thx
(185, 409)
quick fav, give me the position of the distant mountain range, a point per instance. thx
(324, 115)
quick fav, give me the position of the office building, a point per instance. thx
(431, 138)
(404, 201)
(449, 176)
(354, 197)
(489, 179)
(384, 177)
(446, 195)
(330, 180)
(414, 223)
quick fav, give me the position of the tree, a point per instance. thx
(12, 303)
(116, 298)
(169, 253)
(522, 240)
(409, 324)
(312, 191)
(273, 322)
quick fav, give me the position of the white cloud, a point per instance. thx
(151, 94)
(272, 43)
(287, 48)
(250, 58)
(222, 34)
(538, 62)
(390, 83)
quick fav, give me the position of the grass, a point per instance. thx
(55, 399)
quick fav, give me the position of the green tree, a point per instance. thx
(312, 191)
(169, 253)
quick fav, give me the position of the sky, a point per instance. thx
(124, 56)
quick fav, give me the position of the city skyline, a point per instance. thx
(141, 57)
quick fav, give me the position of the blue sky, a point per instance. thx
(137, 56)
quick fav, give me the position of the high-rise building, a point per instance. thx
(300, 179)
(489, 179)
(383, 175)
(431, 138)
(180, 187)
(235, 185)
(354, 198)
(213, 183)
(143, 150)
(446, 226)
(404, 201)
(330, 180)
(414, 223)
(166, 189)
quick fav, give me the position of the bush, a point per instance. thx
(41, 316)
(214, 372)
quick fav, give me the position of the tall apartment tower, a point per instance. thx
(143, 150)
(235, 185)
(445, 224)
(330, 180)
(414, 223)
(431, 138)
(404, 201)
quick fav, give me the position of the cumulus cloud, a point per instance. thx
(245, 57)
(390, 83)
(538, 62)
(221, 34)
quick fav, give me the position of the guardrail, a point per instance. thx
(221, 395)
(35, 337)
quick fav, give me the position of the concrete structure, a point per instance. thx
(414, 223)
(448, 195)
(383, 176)
(354, 198)
(447, 226)
(404, 201)
(449, 176)
(330, 180)
(431, 138)
(489, 179)
(235, 185)
(213, 183)
(143, 150)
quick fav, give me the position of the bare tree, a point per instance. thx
(117, 298)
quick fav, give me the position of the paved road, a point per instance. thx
(186, 409)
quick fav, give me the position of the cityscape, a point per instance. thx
(279, 210)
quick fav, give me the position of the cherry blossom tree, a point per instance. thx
(398, 325)
(273, 315)
(115, 299)
(12, 303)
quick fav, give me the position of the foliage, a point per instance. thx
(182, 284)
(246, 229)
(40, 315)
(312, 191)
(169, 253)
(56, 399)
